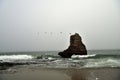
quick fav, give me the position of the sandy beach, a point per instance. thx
(37, 73)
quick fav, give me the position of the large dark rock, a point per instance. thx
(76, 47)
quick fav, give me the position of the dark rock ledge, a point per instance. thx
(76, 47)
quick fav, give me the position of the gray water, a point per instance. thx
(50, 59)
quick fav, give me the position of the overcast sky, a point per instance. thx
(36, 25)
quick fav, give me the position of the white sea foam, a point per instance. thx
(83, 56)
(15, 57)
(109, 62)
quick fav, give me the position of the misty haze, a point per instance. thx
(43, 25)
(59, 39)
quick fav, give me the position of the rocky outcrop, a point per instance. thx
(76, 47)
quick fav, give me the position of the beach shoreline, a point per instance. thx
(28, 72)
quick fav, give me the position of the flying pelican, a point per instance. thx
(45, 32)
(60, 32)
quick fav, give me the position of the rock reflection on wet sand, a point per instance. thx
(96, 74)
(61, 74)
(77, 77)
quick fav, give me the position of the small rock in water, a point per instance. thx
(97, 78)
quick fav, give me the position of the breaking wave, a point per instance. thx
(83, 56)
(55, 61)
(103, 62)
(15, 57)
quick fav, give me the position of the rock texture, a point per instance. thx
(76, 47)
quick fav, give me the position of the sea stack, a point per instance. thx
(76, 47)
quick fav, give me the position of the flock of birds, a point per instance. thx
(52, 33)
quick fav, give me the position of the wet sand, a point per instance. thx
(38, 73)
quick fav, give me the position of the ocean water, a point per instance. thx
(51, 59)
